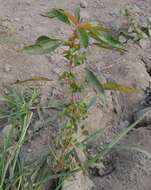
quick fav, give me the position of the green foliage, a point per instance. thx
(67, 76)
(96, 84)
(64, 157)
(18, 114)
(105, 40)
(15, 172)
(77, 57)
(43, 45)
(77, 111)
(100, 87)
(77, 13)
(83, 31)
(75, 87)
(59, 14)
(118, 87)
(18, 105)
(83, 37)
(35, 78)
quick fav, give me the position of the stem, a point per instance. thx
(70, 82)
(72, 40)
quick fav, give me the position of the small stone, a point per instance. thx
(30, 132)
(79, 181)
(92, 41)
(2, 19)
(130, 41)
(134, 36)
(124, 124)
(84, 15)
(130, 29)
(17, 19)
(22, 28)
(57, 70)
(116, 25)
(122, 39)
(144, 21)
(38, 125)
(28, 3)
(7, 68)
(144, 43)
(6, 130)
(136, 9)
(42, 4)
(83, 4)
(29, 150)
(98, 169)
(5, 24)
(146, 58)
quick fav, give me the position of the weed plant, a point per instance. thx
(66, 156)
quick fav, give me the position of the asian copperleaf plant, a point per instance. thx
(64, 157)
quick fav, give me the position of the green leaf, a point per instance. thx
(36, 78)
(77, 13)
(104, 39)
(58, 13)
(92, 26)
(96, 84)
(103, 45)
(93, 79)
(118, 87)
(43, 45)
(83, 37)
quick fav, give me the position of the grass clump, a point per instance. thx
(18, 116)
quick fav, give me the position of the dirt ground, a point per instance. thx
(21, 23)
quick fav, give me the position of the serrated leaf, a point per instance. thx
(107, 40)
(43, 45)
(58, 13)
(35, 78)
(118, 87)
(83, 37)
(96, 84)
